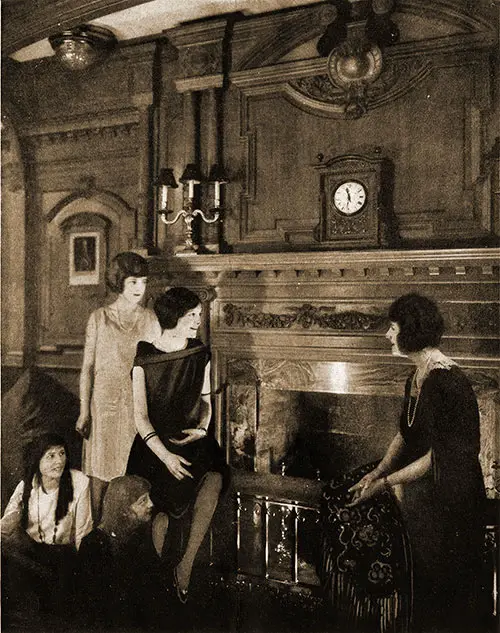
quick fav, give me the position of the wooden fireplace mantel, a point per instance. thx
(394, 260)
(334, 303)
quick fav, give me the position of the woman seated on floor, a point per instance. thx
(42, 527)
(122, 580)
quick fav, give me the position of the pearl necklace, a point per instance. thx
(41, 533)
(414, 387)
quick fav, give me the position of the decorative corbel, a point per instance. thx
(353, 66)
(353, 44)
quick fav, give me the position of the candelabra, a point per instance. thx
(191, 177)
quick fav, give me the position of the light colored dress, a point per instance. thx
(110, 347)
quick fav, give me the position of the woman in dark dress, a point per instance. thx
(435, 457)
(172, 409)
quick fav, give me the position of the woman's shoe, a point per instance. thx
(182, 594)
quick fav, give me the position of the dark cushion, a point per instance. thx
(35, 404)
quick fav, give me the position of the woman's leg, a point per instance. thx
(203, 511)
(97, 490)
(159, 531)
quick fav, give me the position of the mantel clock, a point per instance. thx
(355, 193)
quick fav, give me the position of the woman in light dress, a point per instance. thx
(106, 420)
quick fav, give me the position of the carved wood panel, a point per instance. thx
(431, 131)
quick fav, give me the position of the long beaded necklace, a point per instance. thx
(41, 533)
(410, 418)
(127, 326)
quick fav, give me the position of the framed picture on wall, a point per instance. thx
(84, 258)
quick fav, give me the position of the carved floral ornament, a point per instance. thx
(397, 79)
(353, 43)
(477, 319)
(305, 316)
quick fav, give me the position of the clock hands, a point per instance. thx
(349, 197)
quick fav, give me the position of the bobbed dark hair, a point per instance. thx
(34, 453)
(420, 322)
(173, 304)
(123, 265)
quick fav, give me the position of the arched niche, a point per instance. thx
(84, 231)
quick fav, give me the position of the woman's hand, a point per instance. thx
(192, 435)
(175, 464)
(365, 481)
(83, 425)
(367, 490)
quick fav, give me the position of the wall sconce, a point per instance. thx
(191, 177)
(83, 46)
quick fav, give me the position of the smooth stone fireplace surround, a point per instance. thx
(306, 387)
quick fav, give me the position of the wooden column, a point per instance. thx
(212, 146)
(143, 233)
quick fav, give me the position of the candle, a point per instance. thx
(217, 194)
(164, 197)
(191, 189)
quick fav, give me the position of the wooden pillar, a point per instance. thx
(212, 154)
(143, 232)
(191, 142)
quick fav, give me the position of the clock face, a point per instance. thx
(349, 197)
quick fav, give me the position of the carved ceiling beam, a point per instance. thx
(24, 23)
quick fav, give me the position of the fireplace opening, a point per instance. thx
(313, 435)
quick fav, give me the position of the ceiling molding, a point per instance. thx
(28, 21)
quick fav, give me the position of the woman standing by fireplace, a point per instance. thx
(106, 420)
(434, 456)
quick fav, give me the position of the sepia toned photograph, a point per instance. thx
(84, 259)
(250, 316)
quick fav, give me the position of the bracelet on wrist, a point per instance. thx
(149, 436)
(202, 428)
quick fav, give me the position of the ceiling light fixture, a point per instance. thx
(83, 46)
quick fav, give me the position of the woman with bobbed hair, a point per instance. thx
(434, 457)
(106, 419)
(174, 448)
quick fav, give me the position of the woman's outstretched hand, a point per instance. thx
(191, 436)
(175, 464)
(83, 425)
(369, 486)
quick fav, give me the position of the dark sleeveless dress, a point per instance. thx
(444, 511)
(174, 383)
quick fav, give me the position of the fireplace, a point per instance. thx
(307, 434)
(306, 388)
